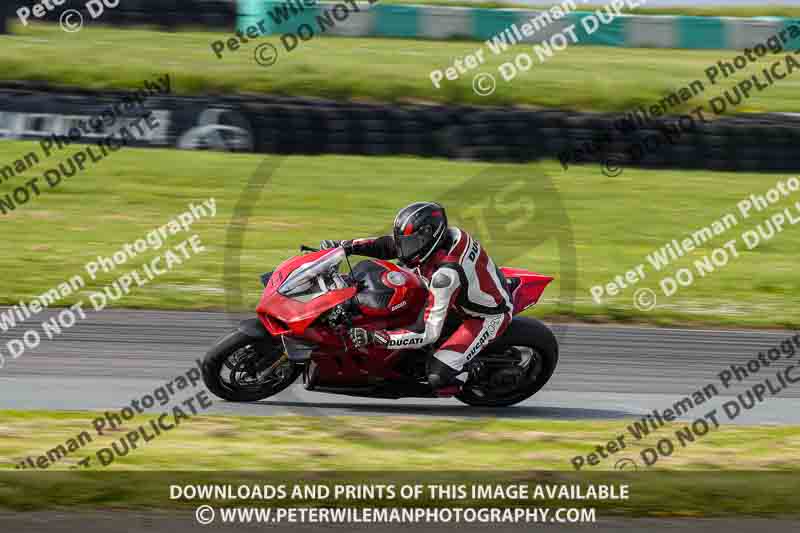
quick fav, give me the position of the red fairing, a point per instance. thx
(530, 289)
(293, 316)
(281, 314)
(393, 300)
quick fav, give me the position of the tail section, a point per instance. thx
(526, 287)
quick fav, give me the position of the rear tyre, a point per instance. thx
(242, 369)
(535, 346)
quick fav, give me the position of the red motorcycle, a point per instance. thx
(308, 306)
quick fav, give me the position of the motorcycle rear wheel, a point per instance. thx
(242, 369)
(524, 332)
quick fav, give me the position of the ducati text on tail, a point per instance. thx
(308, 306)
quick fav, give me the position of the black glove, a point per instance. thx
(364, 337)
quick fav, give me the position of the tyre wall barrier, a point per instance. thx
(166, 14)
(281, 125)
(438, 22)
(425, 22)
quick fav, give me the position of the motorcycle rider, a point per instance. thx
(460, 276)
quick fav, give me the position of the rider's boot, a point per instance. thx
(443, 379)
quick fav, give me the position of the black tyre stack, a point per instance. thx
(311, 126)
(317, 126)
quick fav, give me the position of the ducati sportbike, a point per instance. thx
(308, 306)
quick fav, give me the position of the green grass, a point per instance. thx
(615, 223)
(280, 443)
(580, 77)
(733, 470)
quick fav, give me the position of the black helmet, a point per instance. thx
(419, 229)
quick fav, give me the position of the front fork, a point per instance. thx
(282, 359)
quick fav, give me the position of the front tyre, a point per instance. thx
(240, 368)
(514, 367)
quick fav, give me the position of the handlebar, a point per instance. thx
(304, 248)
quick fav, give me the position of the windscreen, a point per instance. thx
(304, 279)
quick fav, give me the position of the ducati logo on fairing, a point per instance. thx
(405, 342)
(398, 306)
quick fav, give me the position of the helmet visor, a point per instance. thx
(409, 246)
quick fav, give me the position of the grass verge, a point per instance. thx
(614, 224)
(746, 470)
(282, 443)
(580, 77)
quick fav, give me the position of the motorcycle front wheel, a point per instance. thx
(242, 369)
(519, 364)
